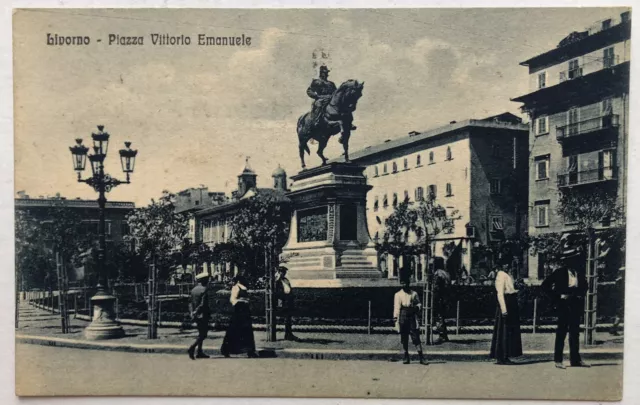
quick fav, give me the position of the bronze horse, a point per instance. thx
(336, 116)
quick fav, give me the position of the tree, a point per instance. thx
(261, 222)
(157, 232)
(45, 249)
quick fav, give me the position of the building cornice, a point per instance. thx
(425, 136)
(47, 202)
(596, 84)
(593, 42)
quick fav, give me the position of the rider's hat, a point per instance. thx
(323, 68)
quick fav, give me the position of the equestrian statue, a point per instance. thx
(331, 112)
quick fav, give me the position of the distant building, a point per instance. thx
(195, 199)
(477, 167)
(212, 223)
(115, 215)
(578, 102)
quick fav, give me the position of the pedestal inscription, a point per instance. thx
(329, 238)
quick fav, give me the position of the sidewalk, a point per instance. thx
(37, 326)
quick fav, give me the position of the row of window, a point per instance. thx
(394, 165)
(541, 124)
(432, 191)
(575, 70)
(495, 188)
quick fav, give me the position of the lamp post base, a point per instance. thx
(103, 325)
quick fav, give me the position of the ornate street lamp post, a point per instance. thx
(103, 325)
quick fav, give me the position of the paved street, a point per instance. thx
(62, 371)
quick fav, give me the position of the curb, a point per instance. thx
(304, 353)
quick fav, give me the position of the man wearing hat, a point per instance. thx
(320, 90)
(284, 296)
(406, 312)
(200, 314)
(567, 287)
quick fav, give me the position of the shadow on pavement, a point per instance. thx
(524, 362)
(319, 341)
(605, 364)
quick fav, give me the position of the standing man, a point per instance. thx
(406, 314)
(200, 314)
(442, 286)
(284, 296)
(567, 287)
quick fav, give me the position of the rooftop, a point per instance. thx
(77, 203)
(578, 43)
(500, 121)
(278, 195)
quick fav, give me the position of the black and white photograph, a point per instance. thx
(337, 203)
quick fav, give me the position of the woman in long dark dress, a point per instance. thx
(239, 337)
(507, 341)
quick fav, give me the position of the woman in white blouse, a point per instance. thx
(506, 342)
(239, 337)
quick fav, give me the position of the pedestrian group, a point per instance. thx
(566, 286)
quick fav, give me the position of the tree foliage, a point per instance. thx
(261, 223)
(37, 243)
(157, 232)
(33, 261)
(410, 230)
(586, 209)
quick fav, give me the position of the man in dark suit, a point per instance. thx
(200, 314)
(567, 287)
(284, 296)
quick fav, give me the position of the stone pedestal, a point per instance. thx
(329, 238)
(103, 325)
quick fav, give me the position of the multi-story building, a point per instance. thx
(115, 216)
(578, 102)
(475, 167)
(194, 199)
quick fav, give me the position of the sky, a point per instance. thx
(195, 113)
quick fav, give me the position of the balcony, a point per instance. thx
(589, 67)
(591, 125)
(576, 178)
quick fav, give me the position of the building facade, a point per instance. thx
(477, 168)
(578, 102)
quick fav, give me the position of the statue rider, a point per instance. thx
(321, 90)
